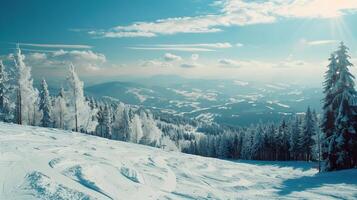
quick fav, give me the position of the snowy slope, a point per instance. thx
(39, 163)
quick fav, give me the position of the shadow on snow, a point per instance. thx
(318, 180)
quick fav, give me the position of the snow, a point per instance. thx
(196, 94)
(138, 94)
(276, 102)
(40, 163)
(240, 83)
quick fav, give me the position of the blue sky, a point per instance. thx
(288, 40)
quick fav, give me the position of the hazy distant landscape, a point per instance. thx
(230, 102)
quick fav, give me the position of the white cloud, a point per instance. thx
(113, 34)
(289, 62)
(188, 49)
(155, 63)
(319, 42)
(57, 61)
(239, 45)
(200, 47)
(59, 46)
(88, 56)
(38, 56)
(172, 57)
(223, 45)
(234, 13)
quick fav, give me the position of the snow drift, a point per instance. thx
(40, 163)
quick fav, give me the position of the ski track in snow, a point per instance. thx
(39, 163)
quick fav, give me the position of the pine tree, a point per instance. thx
(81, 113)
(45, 105)
(258, 144)
(108, 121)
(306, 141)
(317, 140)
(60, 110)
(340, 134)
(28, 95)
(104, 118)
(5, 103)
(295, 138)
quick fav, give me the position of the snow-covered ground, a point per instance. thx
(39, 163)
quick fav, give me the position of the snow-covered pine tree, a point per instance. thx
(341, 138)
(104, 118)
(308, 130)
(247, 147)
(28, 95)
(100, 119)
(6, 114)
(317, 139)
(45, 105)
(258, 144)
(151, 133)
(79, 109)
(92, 103)
(345, 122)
(328, 119)
(60, 110)
(108, 121)
(294, 138)
(122, 123)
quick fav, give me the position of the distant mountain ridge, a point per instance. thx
(231, 102)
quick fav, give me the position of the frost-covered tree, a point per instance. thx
(27, 94)
(329, 91)
(136, 131)
(258, 144)
(100, 119)
(121, 123)
(60, 114)
(308, 131)
(104, 118)
(340, 134)
(151, 133)
(6, 114)
(45, 105)
(79, 109)
(247, 145)
(328, 119)
(294, 138)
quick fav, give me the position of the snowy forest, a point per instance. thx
(330, 137)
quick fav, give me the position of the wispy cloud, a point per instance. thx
(58, 46)
(184, 47)
(233, 13)
(189, 49)
(321, 42)
(204, 45)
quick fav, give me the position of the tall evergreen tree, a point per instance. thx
(81, 113)
(308, 131)
(60, 110)
(45, 105)
(339, 124)
(107, 121)
(5, 103)
(28, 95)
(295, 138)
